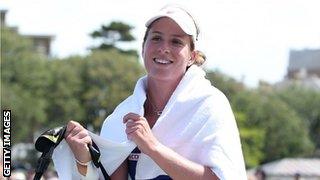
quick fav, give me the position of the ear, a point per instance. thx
(192, 58)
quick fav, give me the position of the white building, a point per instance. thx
(291, 168)
(303, 70)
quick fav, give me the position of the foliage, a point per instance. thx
(226, 84)
(306, 102)
(24, 83)
(285, 133)
(109, 78)
(113, 34)
(269, 127)
(252, 140)
(252, 137)
(64, 91)
(44, 93)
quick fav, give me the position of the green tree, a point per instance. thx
(113, 34)
(64, 91)
(252, 137)
(285, 133)
(269, 127)
(109, 78)
(24, 79)
(226, 84)
(306, 103)
(252, 140)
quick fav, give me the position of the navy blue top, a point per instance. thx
(132, 164)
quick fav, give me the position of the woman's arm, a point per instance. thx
(175, 165)
(122, 172)
(78, 139)
(178, 167)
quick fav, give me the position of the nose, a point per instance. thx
(164, 48)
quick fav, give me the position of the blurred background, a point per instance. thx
(77, 59)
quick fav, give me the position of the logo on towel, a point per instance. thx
(134, 156)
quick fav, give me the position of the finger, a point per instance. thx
(87, 140)
(134, 132)
(130, 123)
(69, 128)
(81, 139)
(82, 134)
(137, 119)
(129, 137)
(142, 124)
(73, 133)
(131, 130)
(77, 130)
(71, 125)
(131, 116)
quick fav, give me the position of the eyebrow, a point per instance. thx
(175, 35)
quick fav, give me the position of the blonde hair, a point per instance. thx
(200, 58)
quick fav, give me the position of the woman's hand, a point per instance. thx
(78, 139)
(138, 130)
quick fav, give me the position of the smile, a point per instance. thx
(162, 61)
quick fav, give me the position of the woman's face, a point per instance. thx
(166, 51)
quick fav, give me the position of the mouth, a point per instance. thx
(162, 61)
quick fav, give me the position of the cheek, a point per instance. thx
(146, 50)
(146, 57)
(185, 56)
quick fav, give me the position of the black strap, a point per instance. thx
(43, 163)
(95, 156)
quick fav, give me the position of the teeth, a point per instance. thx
(162, 61)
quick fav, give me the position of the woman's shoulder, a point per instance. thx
(217, 95)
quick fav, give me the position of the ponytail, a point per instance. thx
(200, 58)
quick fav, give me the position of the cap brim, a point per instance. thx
(180, 24)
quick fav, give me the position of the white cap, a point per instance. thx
(182, 17)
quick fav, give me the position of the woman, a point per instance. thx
(177, 124)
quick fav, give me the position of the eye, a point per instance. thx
(177, 42)
(156, 38)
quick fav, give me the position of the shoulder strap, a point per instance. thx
(95, 156)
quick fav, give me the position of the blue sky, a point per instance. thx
(249, 40)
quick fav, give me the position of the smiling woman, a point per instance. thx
(175, 125)
(167, 52)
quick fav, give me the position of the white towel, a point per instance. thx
(197, 123)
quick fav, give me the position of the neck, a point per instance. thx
(152, 108)
(159, 92)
